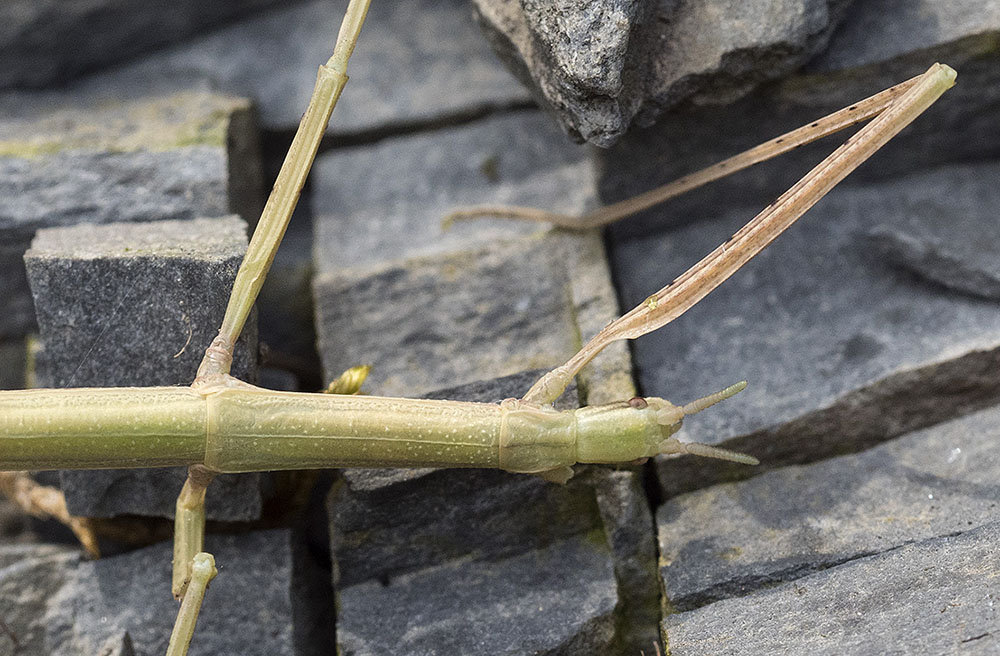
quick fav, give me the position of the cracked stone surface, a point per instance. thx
(737, 538)
(416, 62)
(67, 606)
(70, 158)
(603, 65)
(386, 263)
(120, 305)
(936, 596)
(478, 544)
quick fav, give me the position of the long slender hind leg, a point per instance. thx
(898, 109)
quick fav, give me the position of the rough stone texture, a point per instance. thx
(375, 207)
(385, 202)
(932, 597)
(732, 539)
(506, 308)
(844, 344)
(46, 41)
(134, 305)
(64, 605)
(602, 65)
(558, 599)
(888, 31)
(69, 158)
(475, 547)
(416, 62)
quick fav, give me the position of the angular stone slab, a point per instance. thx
(415, 525)
(602, 65)
(932, 597)
(69, 158)
(732, 539)
(135, 305)
(556, 600)
(67, 606)
(416, 62)
(46, 41)
(505, 308)
(385, 202)
(845, 343)
(377, 206)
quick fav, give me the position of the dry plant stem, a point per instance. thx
(839, 120)
(285, 195)
(44, 501)
(202, 572)
(696, 283)
(189, 526)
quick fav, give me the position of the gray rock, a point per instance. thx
(841, 347)
(626, 516)
(416, 62)
(135, 305)
(501, 538)
(603, 65)
(375, 207)
(68, 158)
(45, 41)
(730, 540)
(932, 597)
(556, 600)
(505, 308)
(884, 31)
(385, 202)
(65, 605)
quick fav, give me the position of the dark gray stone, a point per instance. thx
(375, 207)
(46, 41)
(502, 535)
(876, 32)
(65, 605)
(69, 158)
(556, 600)
(416, 62)
(842, 348)
(433, 322)
(932, 597)
(385, 202)
(600, 66)
(627, 520)
(134, 305)
(729, 540)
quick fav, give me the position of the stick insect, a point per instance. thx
(223, 425)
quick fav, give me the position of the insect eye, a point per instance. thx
(638, 402)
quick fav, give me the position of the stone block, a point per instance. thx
(734, 539)
(70, 157)
(65, 605)
(45, 42)
(930, 597)
(845, 333)
(375, 208)
(477, 547)
(601, 66)
(416, 63)
(134, 305)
